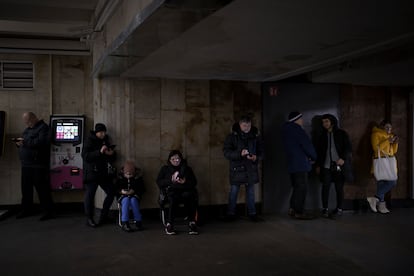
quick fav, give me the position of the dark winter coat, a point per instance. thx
(165, 174)
(135, 183)
(343, 148)
(342, 145)
(241, 169)
(95, 164)
(35, 151)
(299, 149)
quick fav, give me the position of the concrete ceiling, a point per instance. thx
(48, 26)
(366, 42)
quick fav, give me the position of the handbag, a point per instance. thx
(385, 168)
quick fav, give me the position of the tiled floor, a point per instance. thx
(356, 244)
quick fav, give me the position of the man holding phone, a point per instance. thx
(34, 151)
(243, 148)
(97, 155)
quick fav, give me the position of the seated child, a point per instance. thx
(130, 186)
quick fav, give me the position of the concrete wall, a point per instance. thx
(62, 86)
(148, 118)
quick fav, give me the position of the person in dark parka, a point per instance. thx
(243, 148)
(334, 150)
(34, 153)
(300, 155)
(177, 181)
(97, 154)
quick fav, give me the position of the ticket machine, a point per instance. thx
(65, 154)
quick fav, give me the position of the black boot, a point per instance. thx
(91, 223)
(125, 226)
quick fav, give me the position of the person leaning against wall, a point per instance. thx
(333, 150)
(243, 148)
(34, 153)
(97, 154)
(300, 155)
(386, 142)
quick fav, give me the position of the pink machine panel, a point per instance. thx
(66, 171)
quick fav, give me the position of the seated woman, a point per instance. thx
(178, 181)
(130, 186)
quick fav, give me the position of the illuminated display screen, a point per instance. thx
(67, 130)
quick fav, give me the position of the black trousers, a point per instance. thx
(300, 187)
(89, 202)
(39, 179)
(327, 178)
(189, 198)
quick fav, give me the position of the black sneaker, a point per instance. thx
(91, 223)
(291, 212)
(125, 226)
(169, 229)
(192, 228)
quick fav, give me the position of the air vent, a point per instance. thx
(16, 75)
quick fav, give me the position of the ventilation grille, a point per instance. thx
(16, 75)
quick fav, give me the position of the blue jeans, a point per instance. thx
(234, 191)
(383, 187)
(130, 202)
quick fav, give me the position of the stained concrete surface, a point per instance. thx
(356, 244)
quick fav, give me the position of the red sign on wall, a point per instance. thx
(273, 90)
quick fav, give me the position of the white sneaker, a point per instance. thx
(382, 208)
(169, 229)
(373, 201)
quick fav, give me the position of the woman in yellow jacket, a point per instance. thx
(387, 142)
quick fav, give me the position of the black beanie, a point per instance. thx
(100, 127)
(294, 115)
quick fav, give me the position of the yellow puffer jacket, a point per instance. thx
(380, 138)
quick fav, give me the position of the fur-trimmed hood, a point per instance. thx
(254, 131)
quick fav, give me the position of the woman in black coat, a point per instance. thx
(177, 182)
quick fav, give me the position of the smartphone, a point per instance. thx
(112, 147)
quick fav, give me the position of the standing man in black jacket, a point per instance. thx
(97, 154)
(334, 149)
(34, 152)
(243, 148)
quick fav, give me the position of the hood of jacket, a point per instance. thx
(379, 131)
(333, 119)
